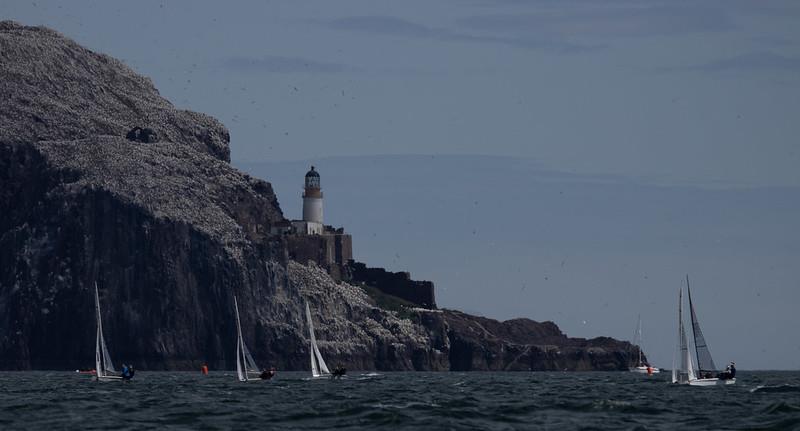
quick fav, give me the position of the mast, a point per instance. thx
(679, 350)
(97, 354)
(639, 330)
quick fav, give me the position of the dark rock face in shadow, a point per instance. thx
(146, 135)
(170, 232)
(478, 343)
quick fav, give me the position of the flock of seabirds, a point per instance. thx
(694, 367)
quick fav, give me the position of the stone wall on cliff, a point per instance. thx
(398, 284)
(328, 250)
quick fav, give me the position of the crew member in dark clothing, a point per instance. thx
(268, 374)
(128, 372)
(339, 371)
(732, 370)
(729, 373)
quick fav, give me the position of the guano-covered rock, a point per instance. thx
(170, 232)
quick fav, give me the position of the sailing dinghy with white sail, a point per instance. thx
(246, 369)
(104, 367)
(318, 366)
(706, 373)
(641, 366)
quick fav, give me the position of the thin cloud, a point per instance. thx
(279, 64)
(756, 60)
(762, 61)
(393, 26)
(604, 21)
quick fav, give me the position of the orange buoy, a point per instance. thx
(204, 369)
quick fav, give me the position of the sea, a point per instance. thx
(42, 400)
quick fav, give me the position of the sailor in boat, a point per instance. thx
(338, 372)
(127, 372)
(729, 373)
(268, 374)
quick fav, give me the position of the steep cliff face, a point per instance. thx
(164, 230)
(170, 232)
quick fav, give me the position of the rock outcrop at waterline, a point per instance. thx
(478, 343)
(170, 232)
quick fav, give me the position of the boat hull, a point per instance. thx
(711, 382)
(253, 377)
(643, 370)
(108, 378)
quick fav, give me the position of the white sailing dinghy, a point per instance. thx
(104, 368)
(246, 369)
(640, 366)
(706, 373)
(318, 366)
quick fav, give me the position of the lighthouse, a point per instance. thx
(312, 198)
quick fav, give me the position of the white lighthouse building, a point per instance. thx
(310, 240)
(312, 223)
(312, 198)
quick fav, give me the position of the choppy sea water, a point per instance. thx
(479, 400)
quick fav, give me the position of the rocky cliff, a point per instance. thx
(170, 232)
(54, 89)
(478, 343)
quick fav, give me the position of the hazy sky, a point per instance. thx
(677, 91)
(672, 125)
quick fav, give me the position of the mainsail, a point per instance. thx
(102, 359)
(681, 342)
(704, 360)
(685, 371)
(637, 340)
(318, 366)
(245, 364)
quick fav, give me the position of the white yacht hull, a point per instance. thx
(711, 382)
(108, 378)
(643, 370)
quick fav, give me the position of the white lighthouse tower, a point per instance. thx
(312, 200)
